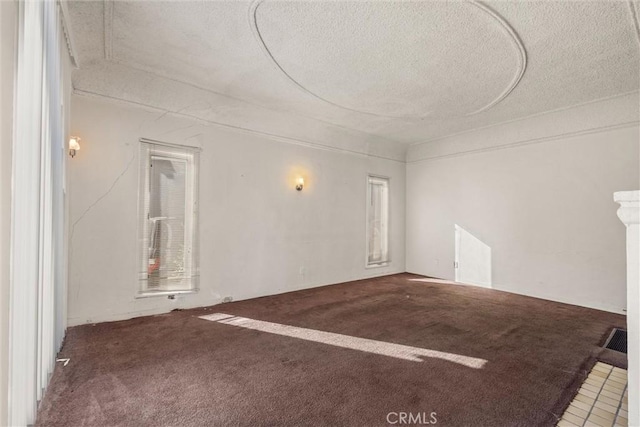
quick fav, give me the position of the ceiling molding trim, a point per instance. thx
(68, 35)
(271, 136)
(144, 69)
(530, 141)
(108, 29)
(253, 9)
(519, 119)
(519, 47)
(510, 32)
(633, 8)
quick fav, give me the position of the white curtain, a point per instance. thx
(37, 264)
(378, 220)
(168, 218)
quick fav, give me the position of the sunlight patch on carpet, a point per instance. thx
(399, 351)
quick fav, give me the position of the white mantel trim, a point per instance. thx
(629, 210)
(629, 214)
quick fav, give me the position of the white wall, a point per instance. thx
(538, 192)
(258, 235)
(8, 19)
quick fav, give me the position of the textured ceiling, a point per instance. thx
(393, 59)
(396, 72)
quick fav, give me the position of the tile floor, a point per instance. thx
(601, 401)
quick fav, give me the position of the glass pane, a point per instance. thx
(375, 239)
(166, 219)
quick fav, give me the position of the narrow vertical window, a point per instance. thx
(168, 219)
(377, 221)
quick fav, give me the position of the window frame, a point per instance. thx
(387, 260)
(190, 155)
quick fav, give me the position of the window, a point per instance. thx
(377, 221)
(168, 219)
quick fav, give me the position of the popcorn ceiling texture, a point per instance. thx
(407, 60)
(392, 58)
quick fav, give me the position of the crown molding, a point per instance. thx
(529, 141)
(633, 9)
(207, 122)
(530, 116)
(68, 34)
(595, 116)
(155, 73)
(108, 28)
(519, 48)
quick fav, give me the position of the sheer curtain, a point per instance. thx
(168, 218)
(377, 221)
(37, 235)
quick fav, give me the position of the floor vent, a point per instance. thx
(617, 340)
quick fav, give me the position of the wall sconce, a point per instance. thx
(74, 145)
(300, 184)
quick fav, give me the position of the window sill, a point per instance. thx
(378, 264)
(164, 293)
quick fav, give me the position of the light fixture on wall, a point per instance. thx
(74, 145)
(300, 183)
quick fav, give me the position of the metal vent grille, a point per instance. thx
(617, 340)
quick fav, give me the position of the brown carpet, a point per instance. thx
(179, 370)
